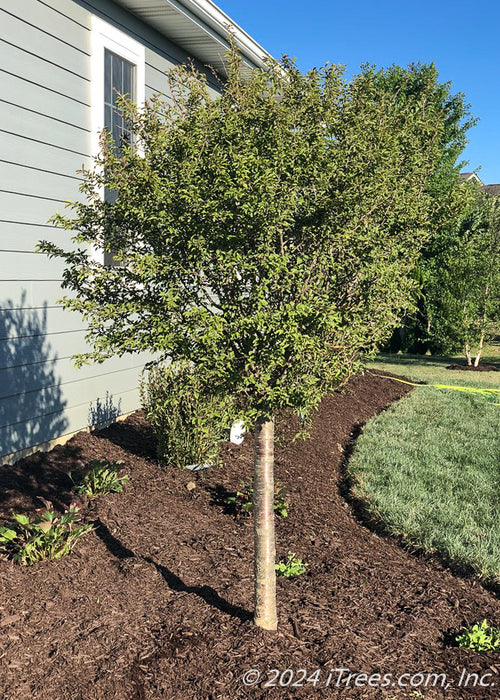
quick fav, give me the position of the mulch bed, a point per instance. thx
(157, 601)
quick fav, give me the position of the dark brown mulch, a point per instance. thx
(156, 602)
(479, 368)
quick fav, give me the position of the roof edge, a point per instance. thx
(200, 27)
(211, 15)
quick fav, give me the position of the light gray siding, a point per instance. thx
(32, 294)
(43, 156)
(45, 137)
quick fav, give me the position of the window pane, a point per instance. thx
(119, 77)
(107, 76)
(118, 80)
(108, 117)
(127, 79)
(117, 126)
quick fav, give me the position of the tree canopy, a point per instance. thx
(269, 235)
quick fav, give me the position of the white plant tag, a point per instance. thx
(238, 431)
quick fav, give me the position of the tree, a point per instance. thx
(268, 237)
(464, 287)
(450, 197)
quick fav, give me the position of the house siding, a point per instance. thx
(45, 137)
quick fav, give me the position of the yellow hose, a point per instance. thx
(483, 392)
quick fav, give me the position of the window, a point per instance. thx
(117, 68)
(119, 79)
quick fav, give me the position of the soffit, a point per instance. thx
(199, 27)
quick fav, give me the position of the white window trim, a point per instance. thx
(106, 36)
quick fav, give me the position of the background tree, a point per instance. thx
(449, 195)
(464, 282)
(268, 237)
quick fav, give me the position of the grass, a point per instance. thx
(428, 469)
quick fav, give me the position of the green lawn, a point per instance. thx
(428, 468)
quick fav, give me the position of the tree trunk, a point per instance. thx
(480, 350)
(483, 325)
(467, 354)
(263, 527)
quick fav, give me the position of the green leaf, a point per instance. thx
(7, 534)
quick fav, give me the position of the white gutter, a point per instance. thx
(200, 28)
(219, 21)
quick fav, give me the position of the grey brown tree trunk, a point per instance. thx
(263, 527)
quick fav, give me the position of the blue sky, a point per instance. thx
(462, 38)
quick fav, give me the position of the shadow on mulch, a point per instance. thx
(449, 637)
(133, 435)
(112, 543)
(219, 495)
(39, 476)
(206, 593)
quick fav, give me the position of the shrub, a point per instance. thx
(47, 536)
(291, 566)
(480, 637)
(189, 422)
(101, 477)
(243, 499)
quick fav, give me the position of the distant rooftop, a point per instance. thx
(492, 190)
(471, 176)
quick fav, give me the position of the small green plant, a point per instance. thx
(48, 536)
(480, 637)
(243, 499)
(291, 566)
(100, 477)
(189, 421)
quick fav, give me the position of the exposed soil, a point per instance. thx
(479, 368)
(156, 602)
